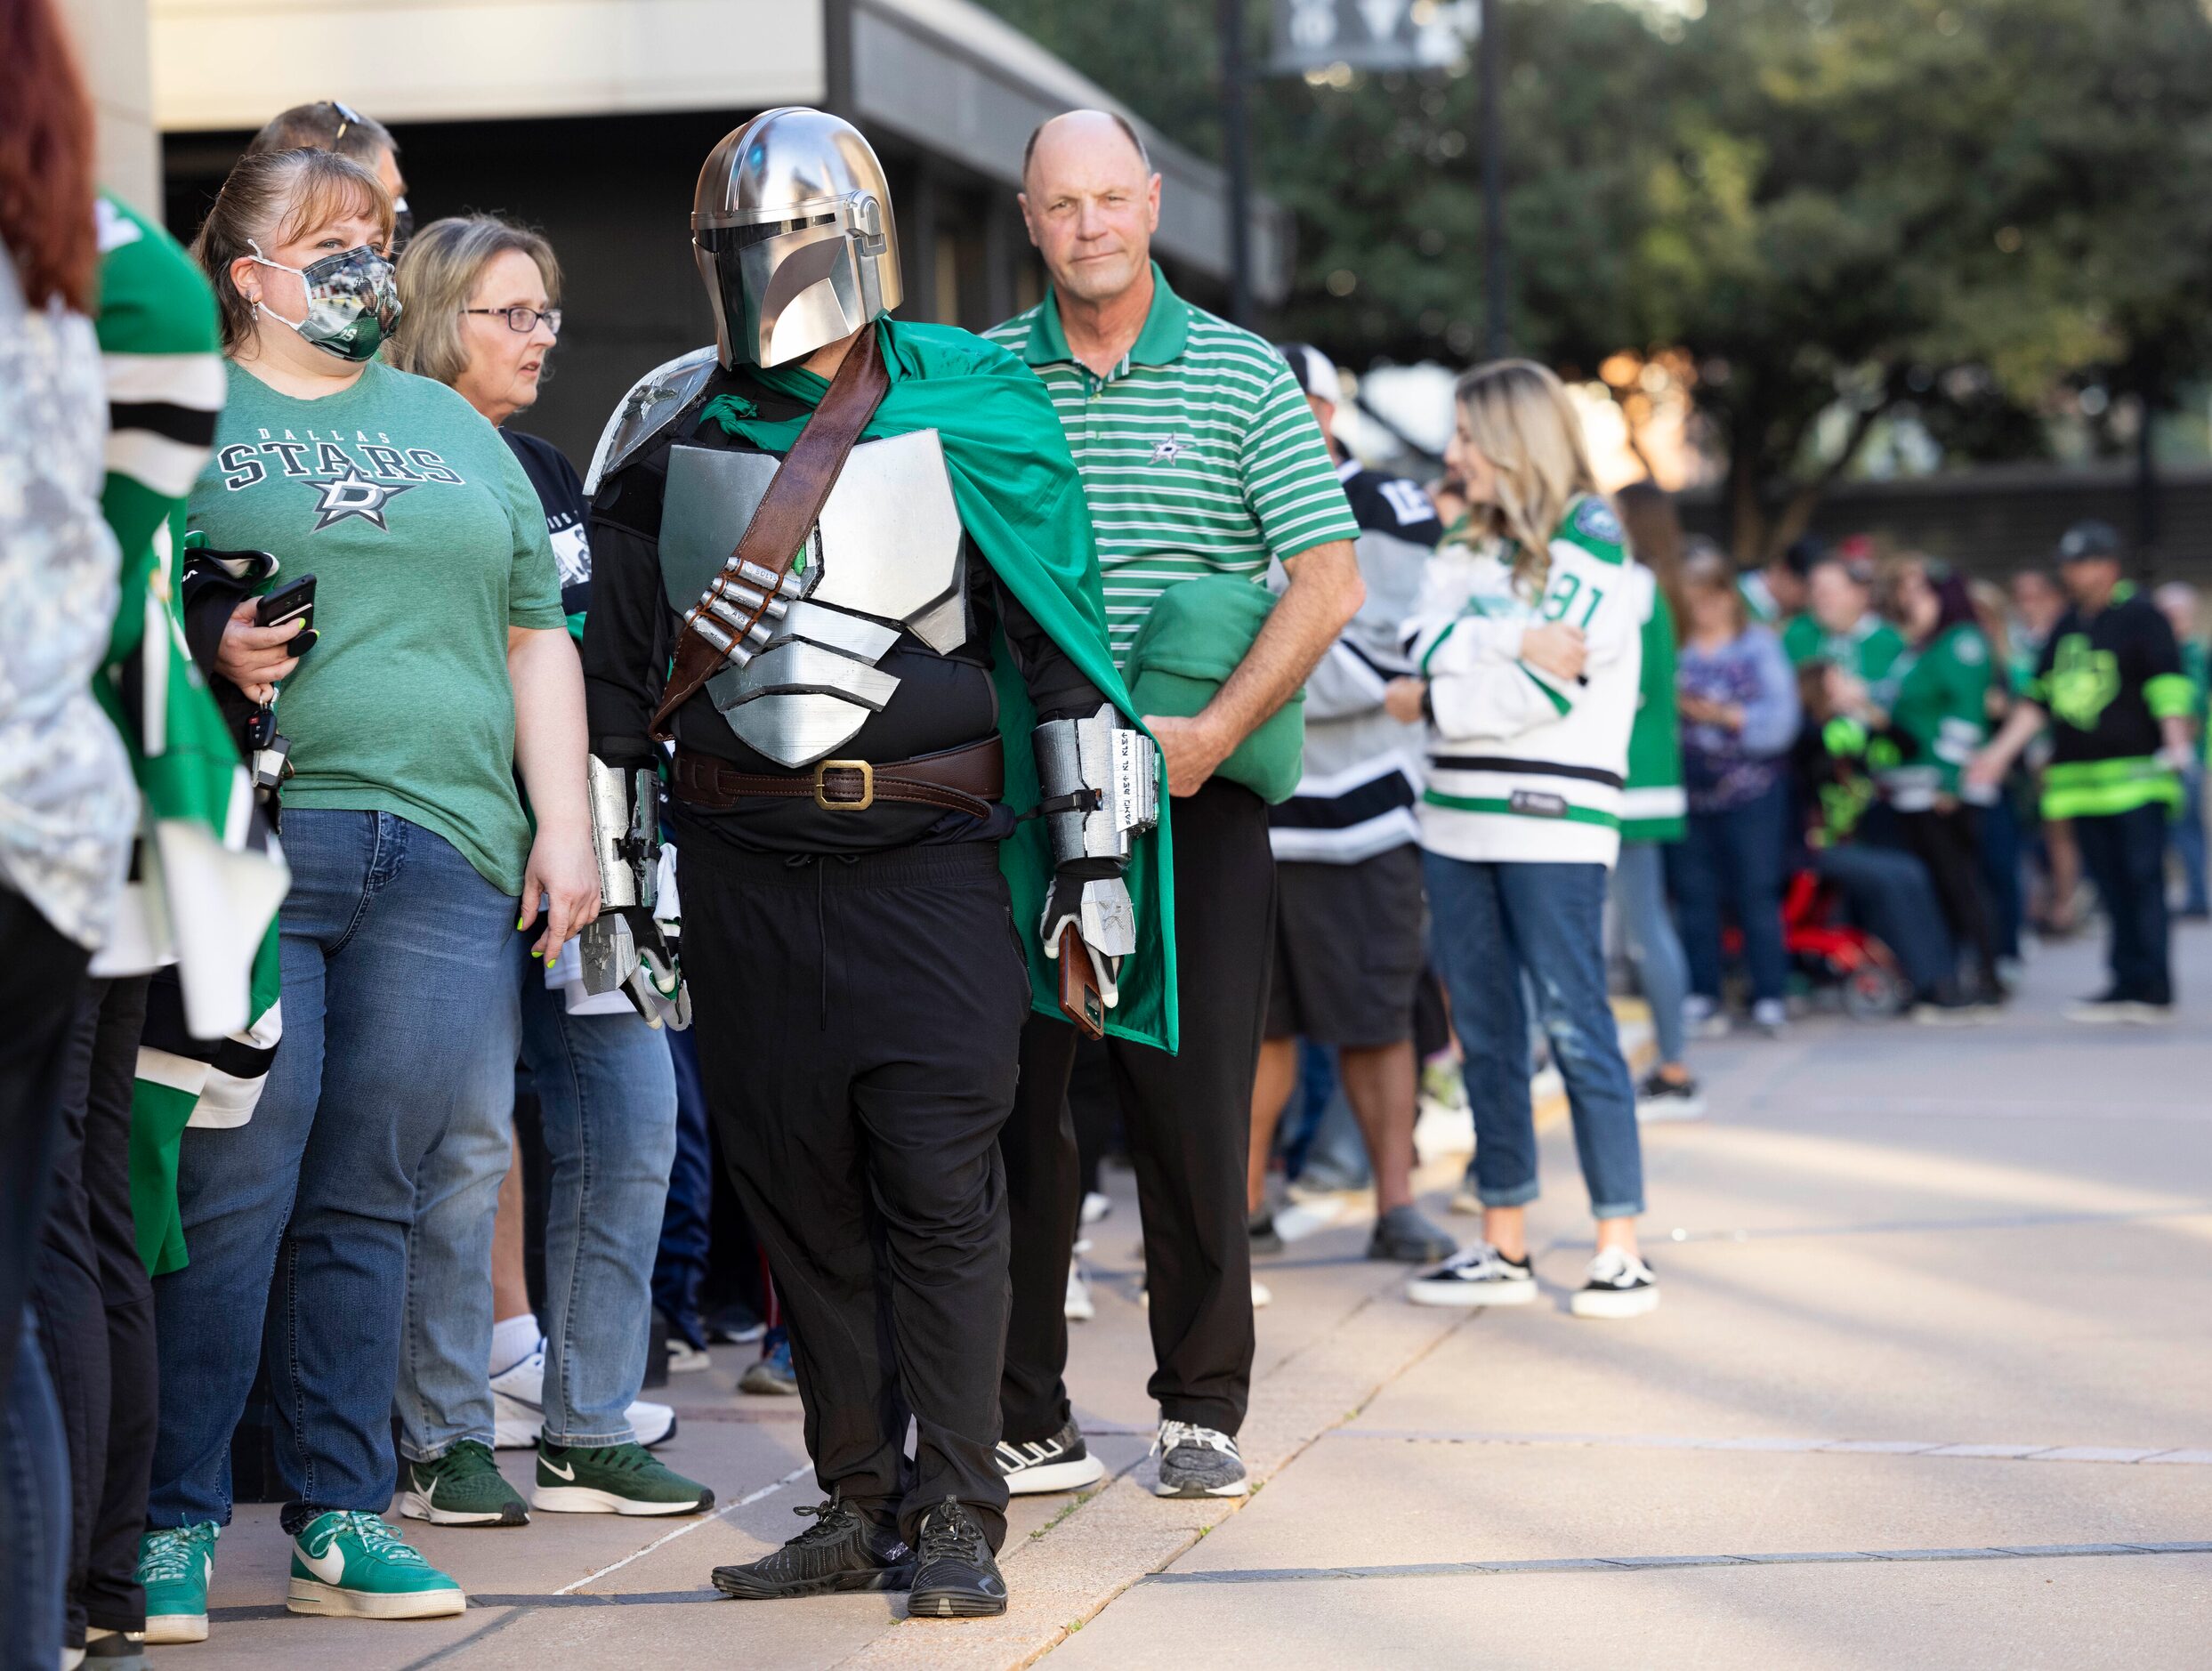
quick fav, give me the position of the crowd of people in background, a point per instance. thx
(380, 1152)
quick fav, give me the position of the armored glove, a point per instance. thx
(632, 945)
(1100, 782)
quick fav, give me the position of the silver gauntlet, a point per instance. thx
(623, 949)
(1100, 783)
(1105, 775)
(625, 833)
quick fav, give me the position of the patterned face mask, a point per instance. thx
(352, 302)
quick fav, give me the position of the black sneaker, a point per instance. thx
(1659, 1098)
(955, 1575)
(1476, 1275)
(1618, 1285)
(839, 1552)
(1197, 1461)
(1063, 1463)
(2118, 1008)
(1403, 1236)
(1265, 1237)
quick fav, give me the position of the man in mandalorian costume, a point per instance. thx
(903, 770)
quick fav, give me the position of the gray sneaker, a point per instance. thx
(1403, 1236)
(1197, 1461)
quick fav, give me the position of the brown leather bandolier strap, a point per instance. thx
(966, 779)
(785, 514)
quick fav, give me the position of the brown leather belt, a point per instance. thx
(966, 779)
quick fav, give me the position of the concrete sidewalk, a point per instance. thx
(1928, 1388)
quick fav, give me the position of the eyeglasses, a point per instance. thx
(523, 320)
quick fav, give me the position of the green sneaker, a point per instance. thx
(612, 1480)
(462, 1488)
(174, 1567)
(350, 1564)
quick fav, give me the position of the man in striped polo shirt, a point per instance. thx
(1199, 457)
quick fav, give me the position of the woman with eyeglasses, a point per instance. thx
(481, 314)
(438, 671)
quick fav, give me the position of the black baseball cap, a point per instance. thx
(2086, 542)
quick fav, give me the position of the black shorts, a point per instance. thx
(1349, 950)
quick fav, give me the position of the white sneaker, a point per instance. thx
(1770, 1016)
(1618, 1285)
(685, 1359)
(1079, 1307)
(1476, 1275)
(518, 1408)
(1262, 1295)
(1702, 1018)
(1095, 1206)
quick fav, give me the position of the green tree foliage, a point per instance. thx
(1956, 208)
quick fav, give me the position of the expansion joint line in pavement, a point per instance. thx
(1649, 1564)
(2127, 1455)
(1918, 1226)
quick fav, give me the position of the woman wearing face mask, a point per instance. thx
(440, 669)
(1529, 637)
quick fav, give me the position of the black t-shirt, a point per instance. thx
(561, 493)
(1395, 505)
(942, 702)
(2093, 677)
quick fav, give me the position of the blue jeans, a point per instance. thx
(1648, 927)
(1492, 922)
(2001, 856)
(33, 1510)
(608, 1096)
(2185, 834)
(1889, 894)
(687, 1221)
(1732, 860)
(398, 1019)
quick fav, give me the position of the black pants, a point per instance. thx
(1190, 1123)
(2125, 855)
(858, 1023)
(40, 978)
(1949, 844)
(95, 1309)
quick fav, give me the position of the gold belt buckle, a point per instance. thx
(868, 786)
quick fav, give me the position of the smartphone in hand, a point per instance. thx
(295, 600)
(1080, 1000)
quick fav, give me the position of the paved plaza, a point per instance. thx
(1932, 1387)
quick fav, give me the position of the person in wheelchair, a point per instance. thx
(1885, 890)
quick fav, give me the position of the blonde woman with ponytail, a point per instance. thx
(1528, 640)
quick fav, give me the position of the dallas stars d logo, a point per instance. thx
(354, 495)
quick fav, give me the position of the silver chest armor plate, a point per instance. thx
(886, 554)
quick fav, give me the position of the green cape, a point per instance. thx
(1022, 503)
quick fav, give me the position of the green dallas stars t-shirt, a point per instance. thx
(427, 544)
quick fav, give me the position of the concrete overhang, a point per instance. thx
(945, 76)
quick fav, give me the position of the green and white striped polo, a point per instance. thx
(1199, 454)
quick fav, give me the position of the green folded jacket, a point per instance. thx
(1193, 640)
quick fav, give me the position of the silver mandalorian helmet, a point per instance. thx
(792, 229)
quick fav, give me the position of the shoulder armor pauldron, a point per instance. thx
(652, 404)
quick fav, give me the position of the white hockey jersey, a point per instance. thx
(1523, 767)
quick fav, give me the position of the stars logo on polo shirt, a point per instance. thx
(1168, 451)
(337, 497)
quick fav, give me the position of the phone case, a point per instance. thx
(1081, 999)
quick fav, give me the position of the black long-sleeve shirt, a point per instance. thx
(942, 701)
